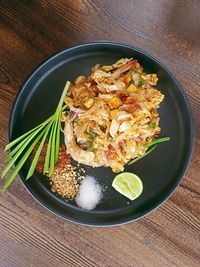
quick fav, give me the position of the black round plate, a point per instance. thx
(160, 172)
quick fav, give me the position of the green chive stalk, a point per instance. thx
(23, 146)
(150, 147)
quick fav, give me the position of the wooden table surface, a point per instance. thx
(31, 31)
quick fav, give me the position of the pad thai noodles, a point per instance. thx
(111, 114)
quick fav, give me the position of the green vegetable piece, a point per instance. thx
(37, 155)
(24, 145)
(150, 147)
(22, 161)
(17, 155)
(11, 144)
(48, 153)
(132, 81)
(140, 83)
(152, 125)
(91, 133)
(91, 147)
(52, 155)
(57, 141)
(16, 149)
(144, 155)
(157, 141)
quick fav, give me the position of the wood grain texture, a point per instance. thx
(30, 31)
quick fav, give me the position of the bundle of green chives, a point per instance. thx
(23, 146)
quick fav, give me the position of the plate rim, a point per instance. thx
(190, 116)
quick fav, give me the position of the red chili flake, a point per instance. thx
(111, 153)
(137, 139)
(123, 99)
(157, 132)
(122, 96)
(134, 63)
(130, 100)
(63, 158)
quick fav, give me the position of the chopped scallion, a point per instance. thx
(91, 147)
(150, 147)
(144, 155)
(91, 133)
(157, 141)
(140, 83)
(152, 125)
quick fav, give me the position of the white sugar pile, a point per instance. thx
(90, 194)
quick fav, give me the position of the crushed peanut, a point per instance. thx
(65, 178)
(64, 181)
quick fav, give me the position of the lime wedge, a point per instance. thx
(128, 184)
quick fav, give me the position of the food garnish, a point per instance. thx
(64, 181)
(23, 146)
(128, 184)
(63, 157)
(157, 141)
(150, 147)
(140, 83)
